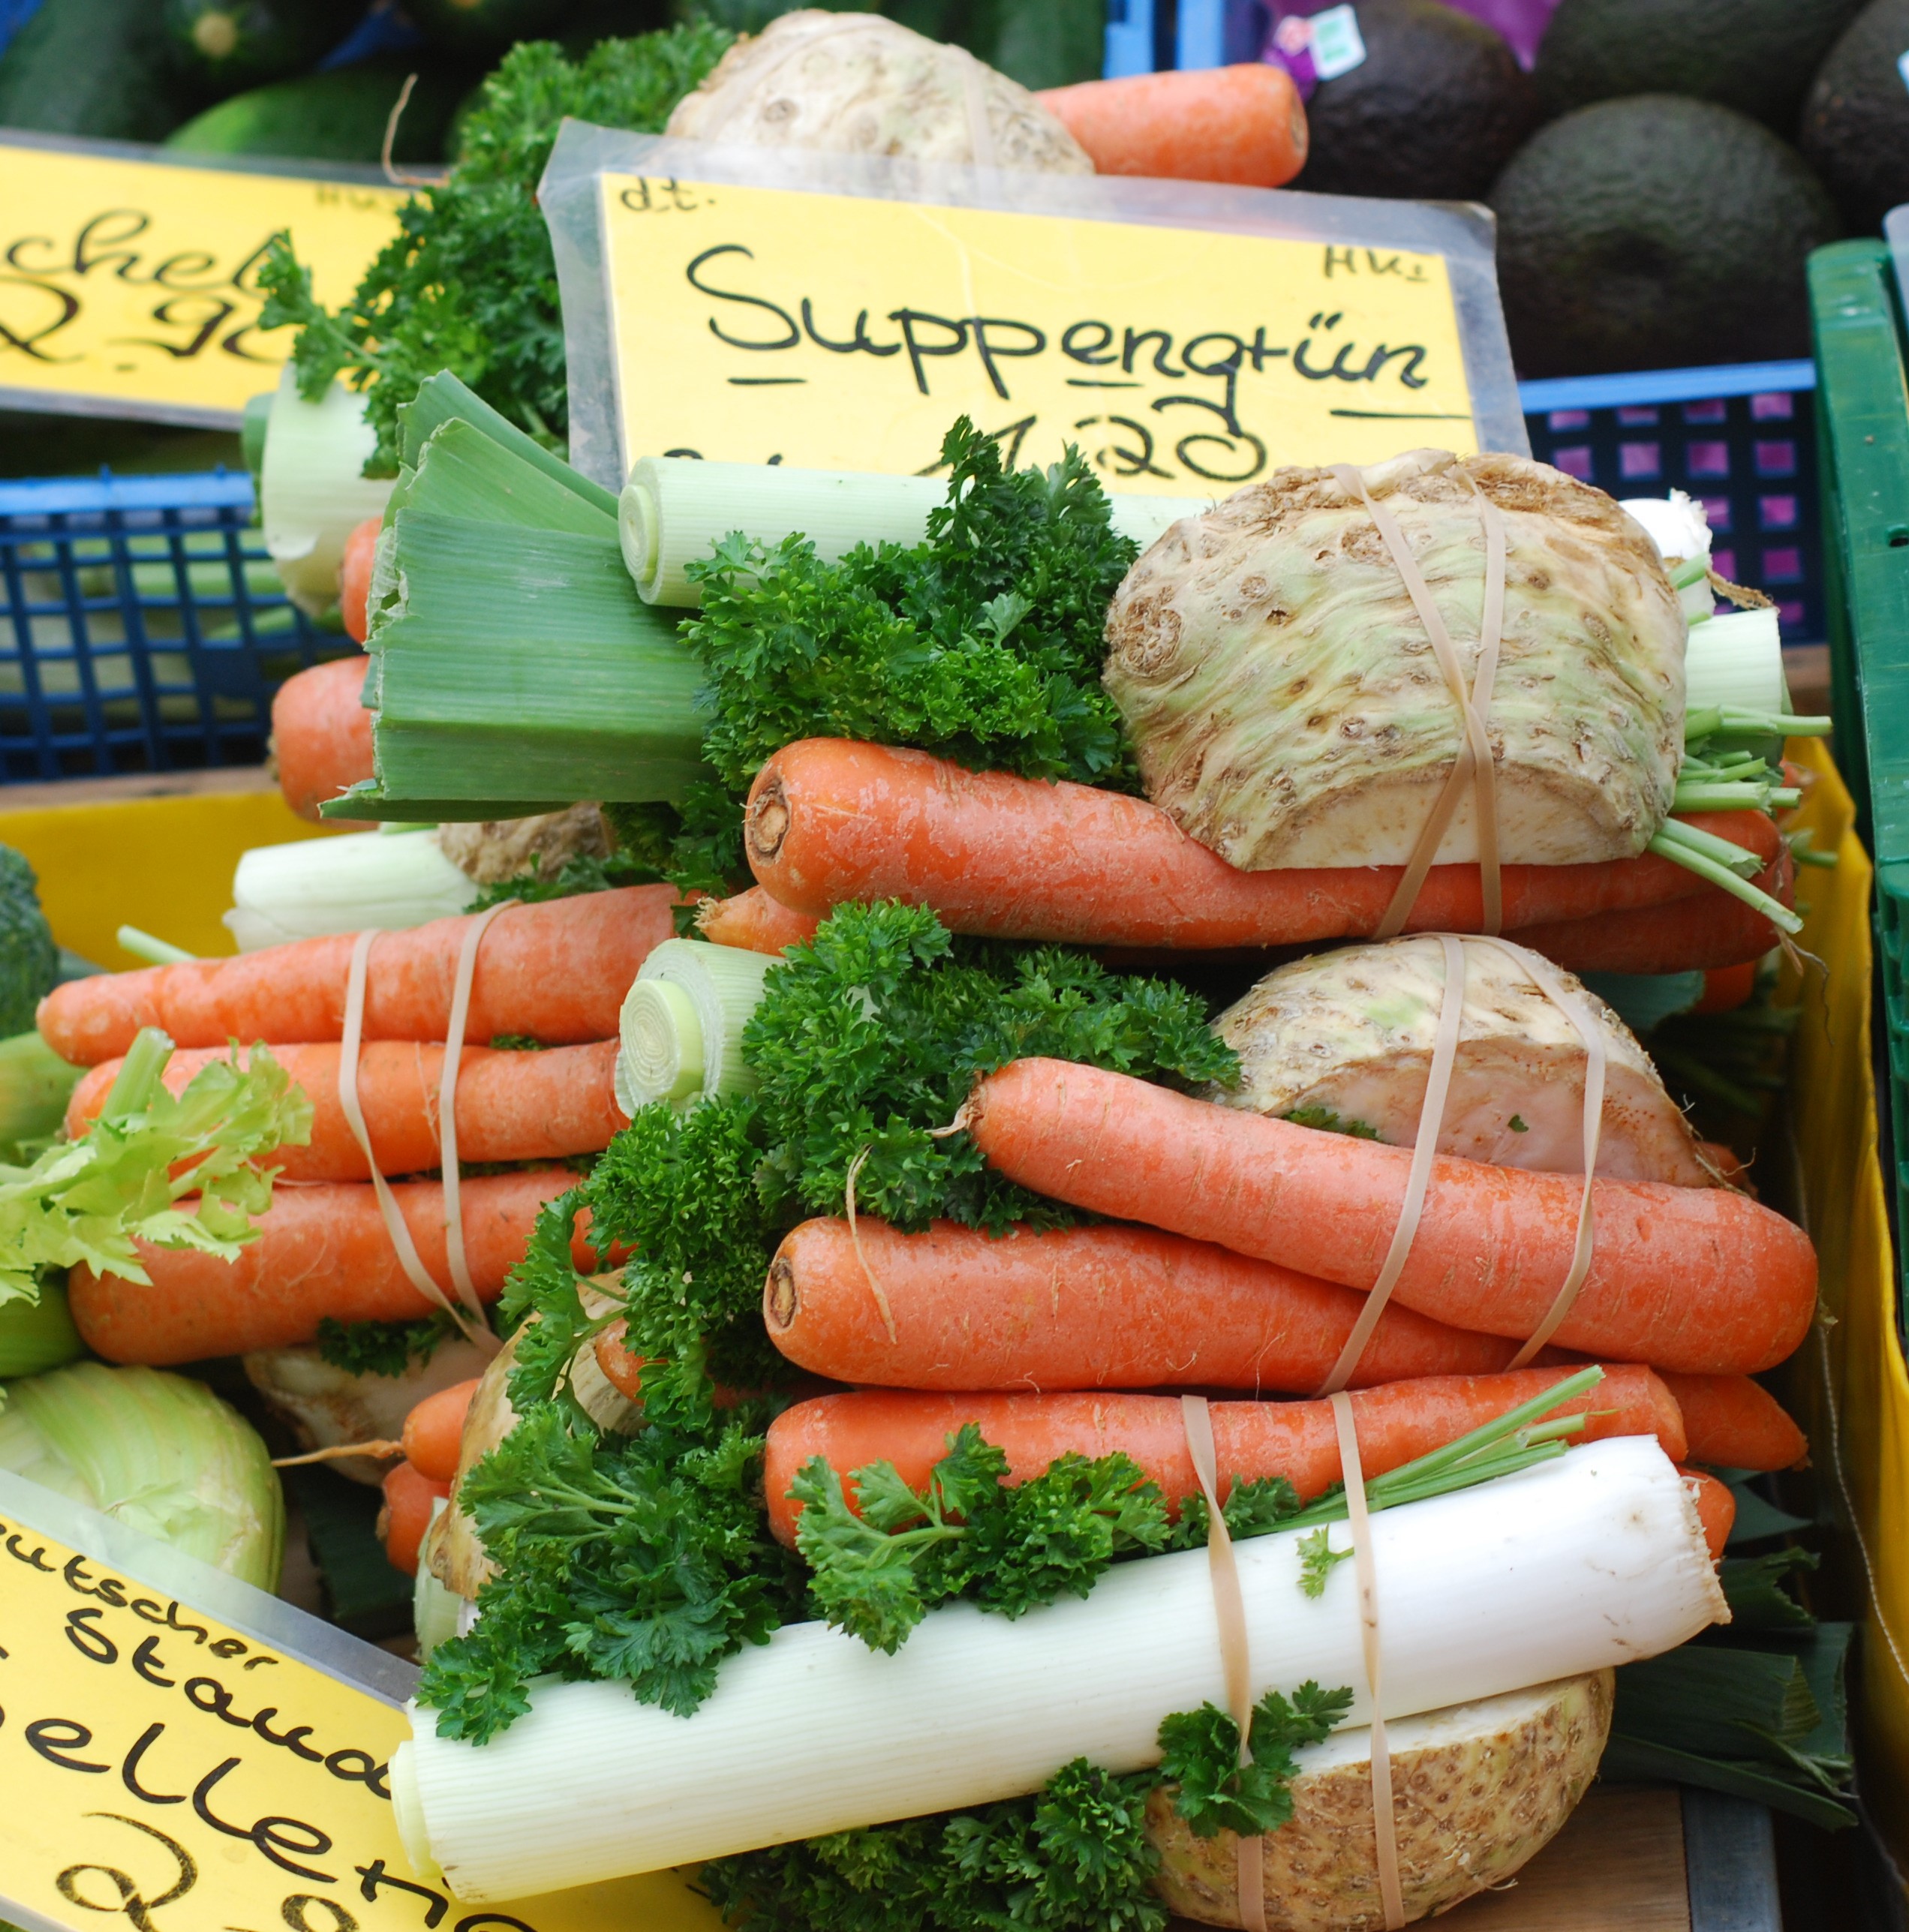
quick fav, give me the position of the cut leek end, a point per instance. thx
(407, 1809)
(663, 1043)
(636, 529)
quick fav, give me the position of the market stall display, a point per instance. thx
(1142, 1106)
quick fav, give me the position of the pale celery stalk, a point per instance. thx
(1681, 844)
(144, 945)
(681, 1024)
(674, 509)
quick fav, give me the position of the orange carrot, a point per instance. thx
(355, 578)
(1710, 931)
(1726, 988)
(323, 1250)
(433, 1432)
(510, 1106)
(321, 734)
(830, 820)
(753, 921)
(1716, 1508)
(1080, 1308)
(1700, 1279)
(1244, 123)
(1397, 1422)
(1735, 1423)
(406, 1517)
(557, 971)
(623, 1371)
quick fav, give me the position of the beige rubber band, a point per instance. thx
(409, 1260)
(1579, 1013)
(1425, 1147)
(1385, 1842)
(447, 1134)
(1475, 764)
(1235, 1656)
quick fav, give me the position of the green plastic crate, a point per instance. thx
(1862, 435)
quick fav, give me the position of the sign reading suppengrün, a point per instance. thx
(753, 324)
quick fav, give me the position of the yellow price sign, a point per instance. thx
(130, 287)
(752, 324)
(173, 1771)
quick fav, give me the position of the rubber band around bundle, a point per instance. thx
(1475, 764)
(467, 1311)
(1235, 1657)
(1425, 1145)
(1358, 1520)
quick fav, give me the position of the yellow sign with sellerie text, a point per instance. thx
(130, 286)
(838, 332)
(167, 1772)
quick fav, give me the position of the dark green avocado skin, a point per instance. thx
(1856, 122)
(1439, 107)
(485, 27)
(1656, 232)
(93, 67)
(269, 40)
(1755, 55)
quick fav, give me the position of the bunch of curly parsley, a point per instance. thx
(469, 284)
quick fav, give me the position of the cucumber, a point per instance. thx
(339, 116)
(94, 67)
(487, 27)
(221, 46)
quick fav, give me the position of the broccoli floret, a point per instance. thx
(29, 960)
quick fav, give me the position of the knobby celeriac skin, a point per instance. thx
(1286, 706)
(1349, 1035)
(1479, 1788)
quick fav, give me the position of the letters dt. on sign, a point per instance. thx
(128, 287)
(171, 1762)
(731, 304)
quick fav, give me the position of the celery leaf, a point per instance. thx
(87, 1202)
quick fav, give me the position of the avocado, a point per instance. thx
(1755, 55)
(1656, 232)
(93, 67)
(486, 28)
(1436, 108)
(339, 116)
(221, 46)
(1855, 120)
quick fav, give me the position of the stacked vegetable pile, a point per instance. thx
(936, 1130)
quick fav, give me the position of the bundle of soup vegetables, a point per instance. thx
(843, 1385)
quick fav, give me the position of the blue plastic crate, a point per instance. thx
(1741, 437)
(142, 627)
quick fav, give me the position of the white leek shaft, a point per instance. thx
(386, 880)
(1595, 1558)
(313, 491)
(681, 1024)
(674, 507)
(1735, 660)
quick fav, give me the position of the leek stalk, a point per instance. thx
(313, 491)
(442, 399)
(674, 509)
(681, 1024)
(1592, 1558)
(312, 887)
(1735, 660)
